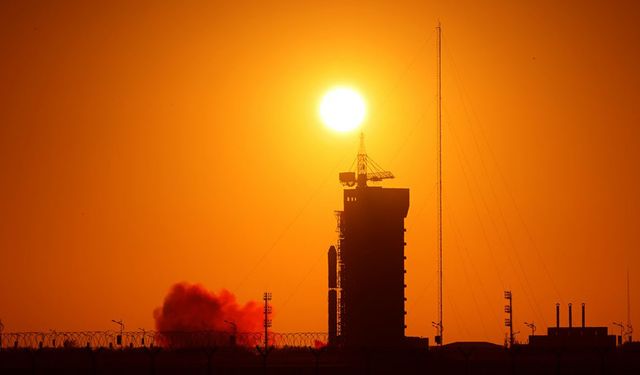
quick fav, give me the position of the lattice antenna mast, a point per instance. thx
(366, 170)
(439, 118)
(362, 162)
(508, 322)
(267, 321)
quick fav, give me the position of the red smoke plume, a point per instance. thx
(317, 344)
(192, 308)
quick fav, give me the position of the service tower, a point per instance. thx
(367, 267)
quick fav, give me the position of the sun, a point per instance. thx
(342, 109)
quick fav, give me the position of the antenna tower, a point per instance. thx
(267, 321)
(362, 162)
(439, 338)
(366, 170)
(508, 322)
(629, 326)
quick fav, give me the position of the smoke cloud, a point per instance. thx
(193, 308)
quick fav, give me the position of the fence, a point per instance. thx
(140, 339)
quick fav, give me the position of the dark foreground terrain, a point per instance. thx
(460, 358)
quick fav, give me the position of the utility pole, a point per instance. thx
(622, 329)
(508, 322)
(440, 327)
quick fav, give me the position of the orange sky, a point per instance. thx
(145, 144)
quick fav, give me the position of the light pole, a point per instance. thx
(437, 326)
(621, 325)
(532, 326)
(508, 322)
(234, 332)
(121, 324)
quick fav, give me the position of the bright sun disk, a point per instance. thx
(342, 109)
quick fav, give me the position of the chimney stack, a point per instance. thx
(583, 325)
(557, 315)
(570, 321)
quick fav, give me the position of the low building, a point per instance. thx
(574, 337)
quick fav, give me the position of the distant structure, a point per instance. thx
(508, 322)
(266, 324)
(366, 268)
(574, 337)
(439, 324)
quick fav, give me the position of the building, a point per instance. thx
(367, 268)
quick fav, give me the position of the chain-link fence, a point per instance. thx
(139, 339)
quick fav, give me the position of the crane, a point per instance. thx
(366, 170)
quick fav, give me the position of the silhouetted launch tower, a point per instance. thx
(366, 269)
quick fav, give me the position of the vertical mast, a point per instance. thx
(267, 322)
(629, 326)
(439, 113)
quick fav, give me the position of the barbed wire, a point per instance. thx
(150, 339)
